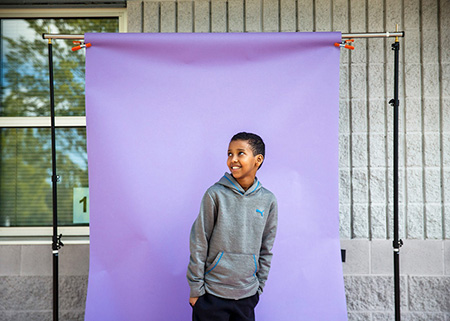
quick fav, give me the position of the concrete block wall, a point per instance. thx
(26, 282)
(425, 277)
(366, 86)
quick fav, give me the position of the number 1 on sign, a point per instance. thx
(84, 201)
(80, 205)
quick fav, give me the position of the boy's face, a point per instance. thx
(241, 161)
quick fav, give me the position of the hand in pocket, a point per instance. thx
(192, 301)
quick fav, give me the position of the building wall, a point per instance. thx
(26, 282)
(366, 88)
(365, 153)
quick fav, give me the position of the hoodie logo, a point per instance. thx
(260, 212)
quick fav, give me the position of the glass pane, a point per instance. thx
(25, 175)
(24, 82)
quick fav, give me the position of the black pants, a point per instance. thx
(211, 308)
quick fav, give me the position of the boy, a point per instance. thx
(232, 238)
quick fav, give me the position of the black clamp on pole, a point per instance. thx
(57, 244)
(394, 103)
(397, 245)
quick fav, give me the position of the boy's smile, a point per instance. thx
(242, 163)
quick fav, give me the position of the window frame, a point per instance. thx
(42, 235)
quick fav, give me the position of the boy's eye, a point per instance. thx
(229, 154)
(241, 153)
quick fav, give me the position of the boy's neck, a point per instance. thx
(246, 183)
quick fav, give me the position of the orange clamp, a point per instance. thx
(345, 44)
(81, 45)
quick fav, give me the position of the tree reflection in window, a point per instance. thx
(25, 153)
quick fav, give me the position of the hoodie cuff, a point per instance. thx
(195, 293)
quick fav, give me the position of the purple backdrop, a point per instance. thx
(161, 109)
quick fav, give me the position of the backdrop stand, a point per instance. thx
(396, 243)
(56, 240)
(394, 102)
(344, 35)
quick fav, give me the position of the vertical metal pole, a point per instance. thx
(55, 243)
(397, 243)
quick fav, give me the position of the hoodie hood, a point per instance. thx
(229, 181)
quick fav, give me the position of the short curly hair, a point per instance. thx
(256, 143)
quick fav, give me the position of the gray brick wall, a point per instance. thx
(26, 282)
(425, 277)
(366, 87)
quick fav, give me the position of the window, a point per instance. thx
(25, 146)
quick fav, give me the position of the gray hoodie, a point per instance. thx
(231, 240)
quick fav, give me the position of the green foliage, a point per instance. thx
(25, 153)
(26, 81)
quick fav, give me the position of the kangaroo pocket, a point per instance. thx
(233, 269)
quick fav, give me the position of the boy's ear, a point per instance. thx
(259, 159)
